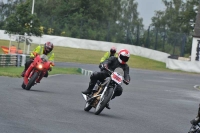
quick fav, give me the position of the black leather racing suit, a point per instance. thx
(112, 64)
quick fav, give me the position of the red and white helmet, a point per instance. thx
(48, 47)
(123, 56)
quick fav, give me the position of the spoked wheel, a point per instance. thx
(103, 101)
(87, 107)
(194, 129)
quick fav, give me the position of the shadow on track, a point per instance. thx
(42, 91)
(102, 115)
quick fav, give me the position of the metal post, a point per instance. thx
(183, 45)
(18, 60)
(163, 46)
(147, 41)
(32, 11)
(155, 46)
(10, 44)
(33, 7)
(138, 34)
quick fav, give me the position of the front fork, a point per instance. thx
(105, 89)
(113, 91)
(41, 76)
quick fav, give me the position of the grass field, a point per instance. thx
(66, 54)
(16, 71)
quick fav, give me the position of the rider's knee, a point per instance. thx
(118, 91)
(93, 76)
(46, 75)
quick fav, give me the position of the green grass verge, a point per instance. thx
(66, 54)
(16, 71)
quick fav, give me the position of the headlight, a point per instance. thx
(40, 66)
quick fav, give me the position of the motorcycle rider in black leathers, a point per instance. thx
(197, 119)
(111, 63)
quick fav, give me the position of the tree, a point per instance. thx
(105, 20)
(175, 23)
(22, 21)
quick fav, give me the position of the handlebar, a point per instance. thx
(36, 54)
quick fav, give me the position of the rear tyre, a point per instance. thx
(23, 86)
(87, 107)
(32, 81)
(102, 104)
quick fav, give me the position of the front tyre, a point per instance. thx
(32, 81)
(102, 104)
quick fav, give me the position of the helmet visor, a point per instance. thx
(48, 49)
(124, 58)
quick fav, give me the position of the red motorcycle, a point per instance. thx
(36, 71)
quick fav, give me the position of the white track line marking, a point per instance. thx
(55, 75)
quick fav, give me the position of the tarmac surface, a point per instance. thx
(154, 102)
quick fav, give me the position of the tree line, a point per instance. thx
(110, 20)
(104, 20)
(172, 28)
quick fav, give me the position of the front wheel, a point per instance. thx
(32, 81)
(105, 99)
(194, 129)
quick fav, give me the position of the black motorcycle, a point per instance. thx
(103, 92)
(195, 128)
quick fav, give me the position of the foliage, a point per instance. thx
(104, 20)
(179, 16)
(108, 20)
(22, 21)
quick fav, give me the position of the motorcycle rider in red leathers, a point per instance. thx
(111, 63)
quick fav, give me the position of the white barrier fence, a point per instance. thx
(94, 45)
(189, 66)
(105, 46)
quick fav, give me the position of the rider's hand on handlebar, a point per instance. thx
(105, 66)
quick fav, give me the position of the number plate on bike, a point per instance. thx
(117, 78)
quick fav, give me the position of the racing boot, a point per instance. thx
(90, 88)
(108, 106)
(88, 91)
(195, 121)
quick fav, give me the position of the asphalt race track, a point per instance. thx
(154, 102)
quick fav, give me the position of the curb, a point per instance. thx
(85, 72)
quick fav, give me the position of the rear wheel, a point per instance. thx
(32, 81)
(87, 107)
(105, 99)
(23, 86)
